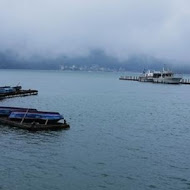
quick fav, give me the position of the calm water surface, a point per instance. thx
(123, 135)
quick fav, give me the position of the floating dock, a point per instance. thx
(18, 93)
(133, 78)
(136, 78)
(34, 126)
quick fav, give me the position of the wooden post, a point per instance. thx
(46, 122)
(24, 116)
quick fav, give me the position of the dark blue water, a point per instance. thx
(123, 135)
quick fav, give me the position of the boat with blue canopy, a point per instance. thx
(9, 89)
(31, 119)
(36, 116)
(6, 111)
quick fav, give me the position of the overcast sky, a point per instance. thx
(159, 28)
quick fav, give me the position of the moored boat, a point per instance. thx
(31, 119)
(6, 89)
(146, 76)
(164, 76)
(36, 116)
(6, 111)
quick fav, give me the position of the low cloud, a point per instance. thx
(74, 27)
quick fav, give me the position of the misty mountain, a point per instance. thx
(97, 60)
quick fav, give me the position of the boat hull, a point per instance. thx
(145, 79)
(40, 121)
(168, 80)
(34, 126)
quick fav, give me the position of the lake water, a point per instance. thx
(123, 135)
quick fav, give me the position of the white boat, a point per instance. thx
(146, 76)
(166, 77)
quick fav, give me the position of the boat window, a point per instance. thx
(156, 75)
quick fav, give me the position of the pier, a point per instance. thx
(133, 78)
(18, 93)
(137, 78)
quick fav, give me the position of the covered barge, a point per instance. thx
(15, 91)
(33, 126)
(32, 119)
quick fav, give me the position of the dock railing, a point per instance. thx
(133, 78)
(185, 81)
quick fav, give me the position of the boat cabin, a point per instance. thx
(157, 74)
(167, 74)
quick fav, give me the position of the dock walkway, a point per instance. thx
(18, 93)
(133, 78)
